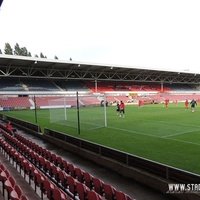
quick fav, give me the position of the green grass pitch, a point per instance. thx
(170, 136)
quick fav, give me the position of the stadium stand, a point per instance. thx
(119, 86)
(72, 85)
(21, 151)
(40, 85)
(52, 176)
(9, 84)
(24, 84)
(35, 176)
(15, 102)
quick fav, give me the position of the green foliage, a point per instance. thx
(17, 50)
(8, 49)
(21, 51)
(170, 136)
(42, 55)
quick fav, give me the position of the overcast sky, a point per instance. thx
(143, 33)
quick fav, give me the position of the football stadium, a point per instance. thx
(57, 115)
(81, 129)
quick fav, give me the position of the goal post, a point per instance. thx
(79, 111)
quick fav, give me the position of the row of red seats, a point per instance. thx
(60, 170)
(103, 189)
(72, 186)
(14, 192)
(40, 180)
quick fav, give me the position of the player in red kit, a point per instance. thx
(166, 103)
(186, 104)
(122, 109)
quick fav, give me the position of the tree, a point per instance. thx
(24, 51)
(55, 57)
(42, 55)
(17, 50)
(21, 51)
(8, 49)
(36, 56)
(0, 51)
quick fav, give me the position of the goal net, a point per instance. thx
(78, 111)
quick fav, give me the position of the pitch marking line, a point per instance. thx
(170, 123)
(131, 131)
(181, 133)
(150, 135)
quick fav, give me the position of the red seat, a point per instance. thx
(98, 185)
(54, 172)
(91, 195)
(65, 166)
(3, 177)
(82, 191)
(109, 191)
(31, 173)
(88, 179)
(71, 169)
(37, 159)
(9, 185)
(18, 191)
(60, 162)
(53, 158)
(47, 167)
(19, 159)
(25, 167)
(62, 178)
(14, 195)
(48, 187)
(32, 155)
(41, 162)
(47, 154)
(30, 170)
(120, 195)
(58, 195)
(71, 183)
(79, 174)
(38, 180)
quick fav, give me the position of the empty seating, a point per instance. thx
(121, 196)
(71, 179)
(98, 185)
(91, 195)
(88, 179)
(4, 175)
(109, 191)
(82, 191)
(9, 185)
(14, 191)
(58, 195)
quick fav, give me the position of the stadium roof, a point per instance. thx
(29, 67)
